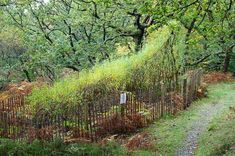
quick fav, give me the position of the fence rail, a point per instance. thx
(99, 115)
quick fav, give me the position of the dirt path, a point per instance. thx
(206, 115)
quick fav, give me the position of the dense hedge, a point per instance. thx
(120, 73)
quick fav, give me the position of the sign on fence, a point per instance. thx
(123, 98)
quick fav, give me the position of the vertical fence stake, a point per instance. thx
(162, 99)
(185, 101)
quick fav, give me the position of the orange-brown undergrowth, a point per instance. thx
(117, 124)
(17, 89)
(178, 102)
(215, 77)
(140, 141)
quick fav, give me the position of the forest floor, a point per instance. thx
(207, 128)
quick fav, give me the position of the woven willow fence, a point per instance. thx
(99, 115)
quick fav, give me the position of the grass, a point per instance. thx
(219, 139)
(58, 148)
(170, 132)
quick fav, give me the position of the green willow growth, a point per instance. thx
(160, 58)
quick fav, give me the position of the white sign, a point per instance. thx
(123, 98)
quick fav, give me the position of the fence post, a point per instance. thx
(89, 118)
(195, 84)
(162, 98)
(185, 101)
(5, 125)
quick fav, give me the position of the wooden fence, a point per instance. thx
(100, 114)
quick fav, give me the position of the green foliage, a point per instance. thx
(110, 148)
(210, 32)
(57, 36)
(58, 148)
(117, 74)
(11, 50)
(74, 34)
(10, 147)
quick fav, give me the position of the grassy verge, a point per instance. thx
(58, 148)
(219, 139)
(170, 132)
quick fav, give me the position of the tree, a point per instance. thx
(78, 32)
(210, 32)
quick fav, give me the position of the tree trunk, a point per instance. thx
(27, 75)
(138, 39)
(226, 62)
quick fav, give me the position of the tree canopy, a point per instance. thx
(45, 38)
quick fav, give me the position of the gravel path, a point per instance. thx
(206, 114)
